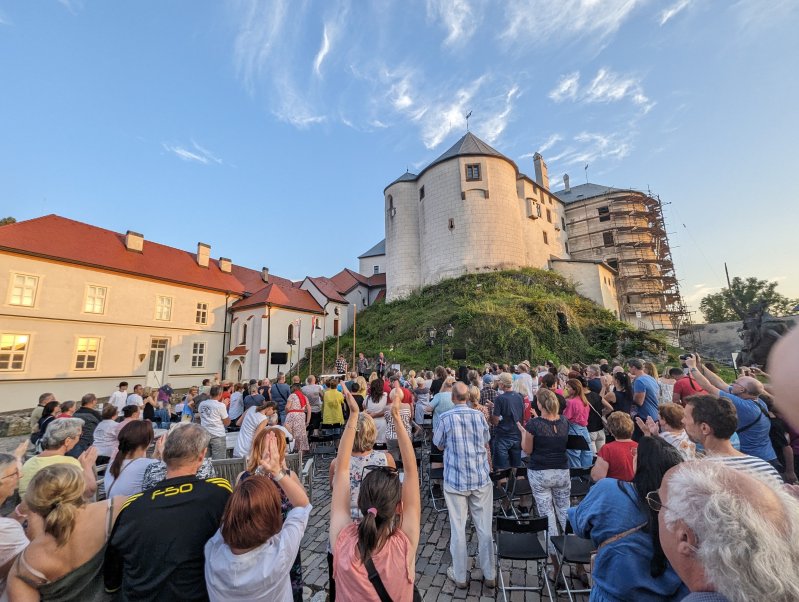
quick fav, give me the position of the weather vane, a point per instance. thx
(469, 114)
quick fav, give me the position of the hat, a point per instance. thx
(505, 379)
(526, 363)
(488, 379)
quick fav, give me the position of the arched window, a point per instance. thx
(291, 332)
(243, 335)
(390, 202)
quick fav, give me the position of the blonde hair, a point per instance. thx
(363, 388)
(620, 425)
(420, 382)
(474, 395)
(56, 494)
(548, 401)
(366, 435)
(411, 374)
(651, 369)
(520, 386)
(372, 376)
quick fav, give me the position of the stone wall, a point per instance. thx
(719, 340)
(15, 424)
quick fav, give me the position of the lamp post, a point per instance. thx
(291, 343)
(433, 334)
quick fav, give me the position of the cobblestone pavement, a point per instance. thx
(433, 557)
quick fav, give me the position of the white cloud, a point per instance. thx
(754, 16)
(550, 142)
(458, 16)
(447, 115)
(323, 50)
(259, 35)
(542, 21)
(196, 154)
(672, 11)
(492, 128)
(566, 88)
(599, 146)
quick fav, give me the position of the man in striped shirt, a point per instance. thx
(463, 434)
(710, 422)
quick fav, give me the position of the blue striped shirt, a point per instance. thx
(463, 433)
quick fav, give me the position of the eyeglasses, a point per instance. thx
(390, 470)
(10, 476)
(653, 499)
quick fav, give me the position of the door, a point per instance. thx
(156, 370)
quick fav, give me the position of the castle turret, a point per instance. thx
(402, 237)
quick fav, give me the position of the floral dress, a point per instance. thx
(295, 420)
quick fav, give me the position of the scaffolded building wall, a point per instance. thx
(627, 230)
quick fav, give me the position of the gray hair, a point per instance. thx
(59, 430)
(521, 387)
(6, 460)
(747, 549)
(185, 443)
(594, 368)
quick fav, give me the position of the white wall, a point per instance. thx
(367, 265)
(402, 239)
(593, 280)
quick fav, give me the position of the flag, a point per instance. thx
(313, 327)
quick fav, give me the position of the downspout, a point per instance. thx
(268, 338)
(224, 337)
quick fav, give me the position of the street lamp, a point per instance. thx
(291, 343)
(432, 334)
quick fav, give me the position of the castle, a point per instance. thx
(473, 210)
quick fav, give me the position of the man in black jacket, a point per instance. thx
(91, 418)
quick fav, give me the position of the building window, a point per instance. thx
(335, 328)
(243, 335)
(376, 269)
(87, 352)
(604, 214)
(614, 263)
(546, 238)
(202, 314)
(566, 245)
(198, 355)
(451, 224)
(13, 349)
(23, 290)
(538, 209)
(421, 193)
(95, 299)
(563, 223)
(607, 239)
(163, 308)
(391, 211)
(549, 216)
(290, 333)
(473, 172)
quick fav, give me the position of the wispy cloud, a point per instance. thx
(261, 26)
(448, 114)
(195, 153)
(458, 16)
(541, 21)
(606, 87)
(754, 16)
(4, 20)
(323, 50)
(548, 143)
(566, 88)
(667, 14)
(491, 129)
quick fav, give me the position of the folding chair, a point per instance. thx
(229, 468)
(500, 491)
(436, 474)
(521, 488)
(518, 539)
(99, 478)
(573, 550)
(418, 467)
(580, 482)
(324, 445)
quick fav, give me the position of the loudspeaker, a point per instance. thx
(459, 354)
(277, 357)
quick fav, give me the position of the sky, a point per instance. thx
(269, 129)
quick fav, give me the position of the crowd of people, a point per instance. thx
(694, 491)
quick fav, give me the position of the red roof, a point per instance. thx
(281, 296)
(381, 296)
(377, 280)
(347, 279)
(240, 350)
(59, 238)
(328, 288)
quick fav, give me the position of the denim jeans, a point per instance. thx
(507, 453)
(478, 503)
(579, 458)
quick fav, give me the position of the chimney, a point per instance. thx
(134, 241)
(225, 265)
(265, 275)
(541, 175)
(203, 254)
(566, 183)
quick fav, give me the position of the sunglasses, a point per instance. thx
(390, 470)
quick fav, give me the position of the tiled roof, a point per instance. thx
(59, 238)
(347, 279)
(377, 280)
(378, 249)
(328, 288)
(584, 191)
(381, 296)
(281, 296)
(240, 350)
(406, 177)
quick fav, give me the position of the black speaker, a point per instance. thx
(278, 358)
(459, 354)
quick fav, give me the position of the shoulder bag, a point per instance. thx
(377, 583)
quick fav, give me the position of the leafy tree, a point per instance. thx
(731, 303)
(7, 220)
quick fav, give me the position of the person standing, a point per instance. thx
(135, 398)
(298, 416)
(463, 433)
(254, 399)
(314, 392)
(214, 419)
(508, 411)
(684, 386)
(362, 365)
(341, 365)
(381, 365)
(576, 412)
(119, 398)
(280, 392)
(646, 394)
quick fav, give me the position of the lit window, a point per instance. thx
(202, 314)
(87, 352)
(13, 348)
(23, 290)
(546, 238)
(198, 355)
(95, 299)
(163, 308)
(473, 172)
(604, 214)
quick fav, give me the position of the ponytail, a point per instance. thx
(378, 497)
(56, 494)
(368, 535)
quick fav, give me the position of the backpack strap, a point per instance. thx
(377, 583)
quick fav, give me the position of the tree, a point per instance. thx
(731, 303)
(7, 220)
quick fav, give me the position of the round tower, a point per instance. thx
(402, 237)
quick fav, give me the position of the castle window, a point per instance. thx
(290, 332)
(451, 224)
(563, 223)
(473, 172)
(391, 211)
(538, 209)
(566, 245)
(377, 269)
(549, 216)
(614, 263)
(421, 193)
(604, 214)
(607, 239)
(546, 238)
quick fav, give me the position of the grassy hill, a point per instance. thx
(502, 316)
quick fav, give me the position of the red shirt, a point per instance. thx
(685, 387)
(619, 456)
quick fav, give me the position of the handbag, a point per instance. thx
(377, 583)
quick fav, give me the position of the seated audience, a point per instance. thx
(153, 554)
(91, 418)
(49, 412)
(12, 536)
(730, 535)
(617, 458)
(125, 476)
(60, 437)
(630, 564)
(64, 560)
(105, 435)
(384, 543)
(67, 409)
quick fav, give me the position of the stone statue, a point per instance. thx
(759, 333)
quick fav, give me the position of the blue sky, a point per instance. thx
(270, 129)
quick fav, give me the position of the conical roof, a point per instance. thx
(469, 144)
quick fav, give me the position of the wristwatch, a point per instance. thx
(279, 476)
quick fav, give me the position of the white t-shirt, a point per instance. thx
(212, 413)
(12, 542)
(119, 399)
(247, 432)
(260, 574)
(105, 438)
(236, 404)
(130, 477)
(134, 399)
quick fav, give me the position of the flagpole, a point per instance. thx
(310, 361)
(299, 344)
(354, 319)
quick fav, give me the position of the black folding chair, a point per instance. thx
(572, 550)
(325, 444)
(436, 474)
(518, 539)
(500, 490)
(521, 487)
(580, 482)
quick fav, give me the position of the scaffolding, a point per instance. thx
(629, 233)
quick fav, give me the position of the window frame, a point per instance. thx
(549, 215)
(86, 353)
(604, 216)
(471, 168)
(204, 310)
(12, 353)
(12, 285)
(197, 358)
(86, 299)
(608, 239)
(159, 307)
(421, 194)
(546, 238)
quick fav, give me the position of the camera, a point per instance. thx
(686, 356)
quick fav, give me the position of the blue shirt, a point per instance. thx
(621, 570)
(510, 407)
(647, 384)
(441, 402)
(463, 433)
(755, 440)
